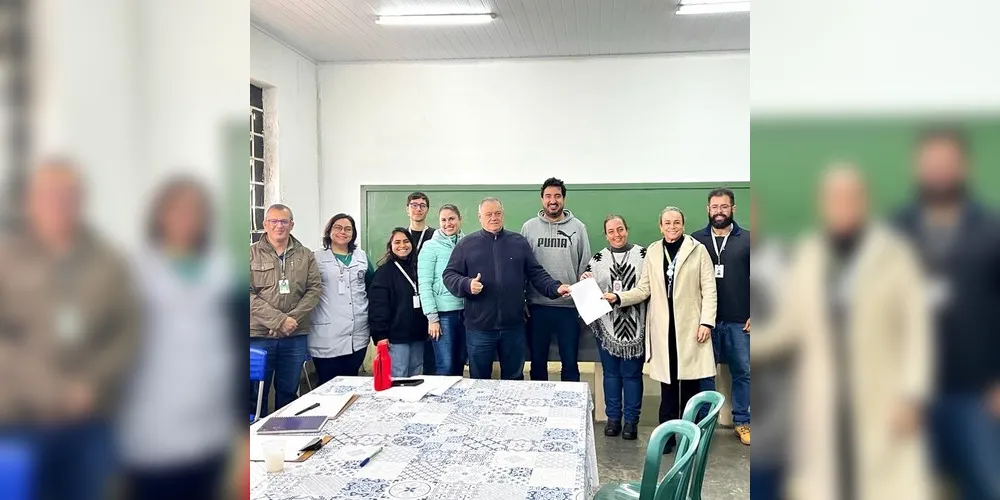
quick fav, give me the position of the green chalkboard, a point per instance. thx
(384, 207)
(788, 154)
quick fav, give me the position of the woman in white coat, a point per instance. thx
(679, 281)
(339, 338)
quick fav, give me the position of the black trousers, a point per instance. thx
(201, 480)
(341, 366)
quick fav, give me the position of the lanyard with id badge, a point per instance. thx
(720, 268)
(616, 285)
(283, 286)
(416, 298)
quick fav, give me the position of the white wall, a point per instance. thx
(671, 118)
(139, 91)
(817, 56)
(296, 153)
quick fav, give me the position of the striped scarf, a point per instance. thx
(622, 331)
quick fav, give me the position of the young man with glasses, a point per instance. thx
(729, 246)
(285, 286)
(417, 207)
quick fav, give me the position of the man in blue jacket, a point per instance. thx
(489, 269)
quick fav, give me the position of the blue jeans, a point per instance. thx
(430, 359)
(484, 347)
(563, 324)
(407, 359)
(621, 375)
(766, 482)
(450, 352)
(74, 461)
(966, 442)
(284, 366)
(732, 347)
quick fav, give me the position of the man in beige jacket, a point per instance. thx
(854, 308)
(285, 286)
(69, 329)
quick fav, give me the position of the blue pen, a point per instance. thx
(369, 459)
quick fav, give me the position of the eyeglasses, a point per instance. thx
(343, 229)
(715, 208)
(279, 222)
(418, 206)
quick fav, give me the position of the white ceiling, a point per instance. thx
(344, 30)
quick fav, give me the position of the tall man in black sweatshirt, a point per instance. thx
(959, 242)
(729, 246)
(489, 269)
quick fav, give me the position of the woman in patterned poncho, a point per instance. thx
(620, 333)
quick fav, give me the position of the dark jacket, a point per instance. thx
(734, 288)
(968, 343)
(506, 263)
(391, 314)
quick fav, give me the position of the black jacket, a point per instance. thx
(391, 314)
(506, 263)
(968, 339)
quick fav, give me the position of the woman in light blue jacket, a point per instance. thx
(446, 324)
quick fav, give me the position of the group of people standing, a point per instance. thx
(444, 299)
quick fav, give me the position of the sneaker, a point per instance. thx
(613, 428)
(630, 432)
(743, 431)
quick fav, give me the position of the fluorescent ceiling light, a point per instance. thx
(435, 19)
(712, 7)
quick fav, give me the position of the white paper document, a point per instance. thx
(433, 385)
(589, 300)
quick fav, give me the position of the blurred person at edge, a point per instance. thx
(183, 386)
(854, 306)
(965, 285)
(772, 389)
(69, 328)
(285, 287)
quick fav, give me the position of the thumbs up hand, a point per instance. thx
(476, 286)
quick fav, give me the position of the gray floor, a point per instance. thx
(728, 474)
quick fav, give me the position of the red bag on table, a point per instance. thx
(382, 368)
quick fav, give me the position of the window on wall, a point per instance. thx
(257, 207)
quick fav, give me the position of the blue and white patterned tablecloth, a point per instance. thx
(481, 440)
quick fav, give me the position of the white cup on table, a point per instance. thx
(274, 455)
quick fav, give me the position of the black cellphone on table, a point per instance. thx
(407, 382)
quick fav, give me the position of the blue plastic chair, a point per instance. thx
(258, 370)
(17, 469)
(674, 485)
(715, 400)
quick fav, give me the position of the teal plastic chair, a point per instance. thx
(707, 425)
(674, 485)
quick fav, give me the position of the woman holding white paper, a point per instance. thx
(679, 281)
(621, 334)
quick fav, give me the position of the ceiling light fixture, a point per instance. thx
(687, 7)
(435, 19)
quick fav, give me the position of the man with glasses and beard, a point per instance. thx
(729, 246)
(959, 243)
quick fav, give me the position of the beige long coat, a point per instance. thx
(694, 305)
(889, 350)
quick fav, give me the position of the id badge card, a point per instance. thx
(720, 271)
(68, 324)
(939, 293)
(283, 287)
(416, 302)
(616, 286)
(342, 287)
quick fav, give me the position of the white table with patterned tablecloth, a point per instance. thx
(481, 440)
